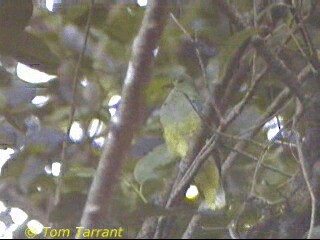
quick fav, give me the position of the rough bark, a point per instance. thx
(121, 132)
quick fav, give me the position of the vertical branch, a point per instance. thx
(303, 164)
(121, 133)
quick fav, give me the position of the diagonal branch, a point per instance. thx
(208, 148)
(192, 227)
(186, 175)
(121, 132)
(288, 78)
(277, 104)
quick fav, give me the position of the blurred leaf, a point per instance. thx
(273, 186)
(123, 22)
(249, 219)
(151, 210)
(151, 167)
(72, 183)
(75, 14)
(45, 183)
(69, 209)
(5, 77)
(81, 171)
(145, 144)
(14, 17)
(60, 115)
(31, 50)
(12, 169)
(3, 100)
(117, 50)
(36, 149)
(231, 45)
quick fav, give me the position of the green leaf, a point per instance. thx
(76, 184)
(123, 23)
(12, 170)
(117, 50)
(273, 186)
(231, 46)
(80, 171)
(69, 209)
(151, 166)
(29, 49)
(46, 183)
(75, 14)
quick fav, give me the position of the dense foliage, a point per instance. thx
(256, 68)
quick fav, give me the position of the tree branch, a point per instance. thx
(307, 180)
(192, 227)
(288, 78)
(121, 132)
(72, 112)
(278, 103)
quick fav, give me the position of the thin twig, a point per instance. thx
(135, 189)
(266, 166)
(245, 100)
(301, 49)
(302, 161)
(239, 138)
(264, 153)
(236, 81)
(211, 144)
(277, 103)
(288, 78)
(234, 222)
(255, 174)
(190, 171)
(73, 106)
(255, 24)
(313, 56)
(203, 70)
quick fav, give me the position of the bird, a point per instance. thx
(180, 120)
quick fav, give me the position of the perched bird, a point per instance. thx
(180, 121)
